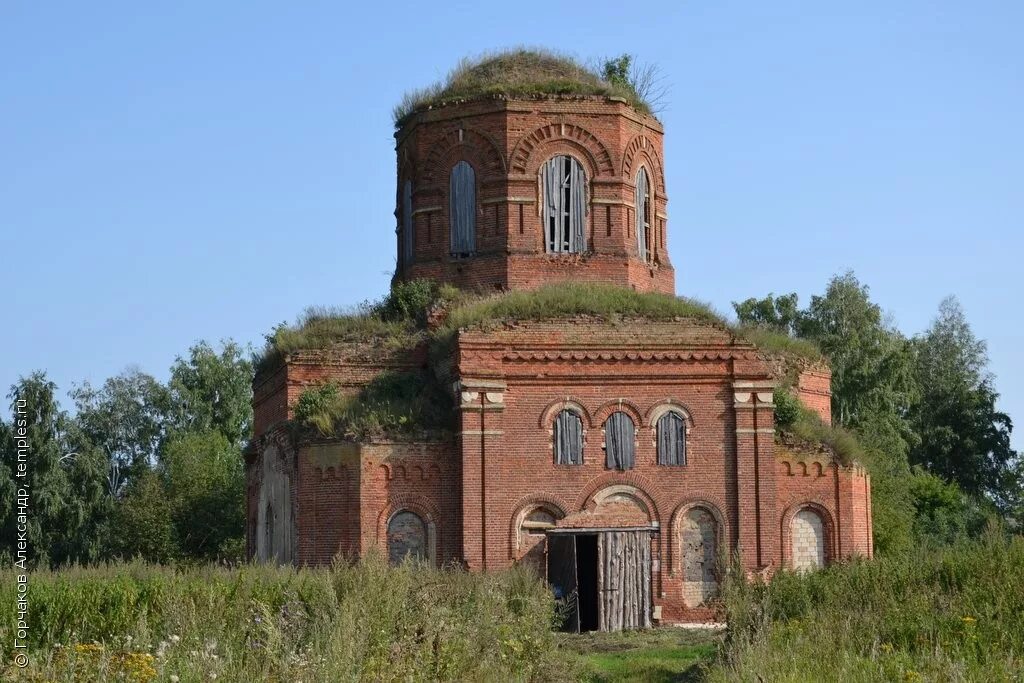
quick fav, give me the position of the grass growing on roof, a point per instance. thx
(319, 328)
(516, 73)
(392, 404)
(773, 341)
(569, 299)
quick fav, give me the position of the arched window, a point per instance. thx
(568, 435)
(564, 185)
(533, 526)
(643, 216)
(671, 430)
(807, 535)
(408, 240)
(407, 536)
(462, 209)
(698, 551)
(619, 441)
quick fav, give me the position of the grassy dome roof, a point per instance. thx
(516, 74)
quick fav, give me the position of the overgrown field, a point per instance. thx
(368, 622)
(953, 613)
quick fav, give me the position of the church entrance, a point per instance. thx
(601, 578)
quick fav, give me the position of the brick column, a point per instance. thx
(769, 552)
(755, 474)
(481, 408)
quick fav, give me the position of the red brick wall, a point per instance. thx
(814, 389)
(506, 142)
(350, 366)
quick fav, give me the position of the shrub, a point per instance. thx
(787, 409)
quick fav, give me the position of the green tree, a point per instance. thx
(127, 419)
(212, 390)
(142, 523)
(204, 482)
(64, 477)
(872, 363)
(780, 313)
(963, 437)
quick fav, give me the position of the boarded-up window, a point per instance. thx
(698, 545)
(408, 240)
(564, 188)
(462, 209)
(808, 539)
(407, 536)
(643, 216)
(619, 441)
(671, 439)
(568, 438)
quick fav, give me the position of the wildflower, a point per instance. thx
(175, 639)
(969, 621)
(213, 676)
(174, 678)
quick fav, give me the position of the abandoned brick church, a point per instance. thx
(625, 459)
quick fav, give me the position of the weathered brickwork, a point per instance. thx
(488, 496)
(814, 389)
(506, 142)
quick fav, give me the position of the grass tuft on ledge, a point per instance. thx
(516, 73)
(800, 426)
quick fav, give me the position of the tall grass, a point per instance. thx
(362, 622)
(949, 614)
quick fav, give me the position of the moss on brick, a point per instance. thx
(516, 74)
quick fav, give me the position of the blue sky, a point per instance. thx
(206, 170)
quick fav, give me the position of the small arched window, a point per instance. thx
(564, 189)
(807, 535)
(671, 430)
(462, 209)
(406, 536)
(408, 239)
(643, 215)
(568, 436)
(619, 441)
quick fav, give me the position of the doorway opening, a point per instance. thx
(601, 578)
(586, 569)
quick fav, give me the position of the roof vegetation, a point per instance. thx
(403, 404)
(519, 73)
(399, 320)
(568, 299)
(393, 405)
